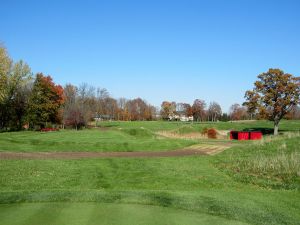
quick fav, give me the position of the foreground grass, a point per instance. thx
(189, 183)
(95, 213)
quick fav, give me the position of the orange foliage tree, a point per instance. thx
(45, 101)
(275, 93)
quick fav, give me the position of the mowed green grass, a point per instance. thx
(95, 140)
(236, 186)
(123, 136)
(285, 125)
(207, 185)
(104, 214)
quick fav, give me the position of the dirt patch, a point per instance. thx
(192, 150)
(221, 134)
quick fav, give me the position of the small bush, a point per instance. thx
(212, 133)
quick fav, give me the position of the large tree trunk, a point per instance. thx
(276, 126)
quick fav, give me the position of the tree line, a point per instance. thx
(85, 103)
(35, 101)
(202, 112)
(198, 111)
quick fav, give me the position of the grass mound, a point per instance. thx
(94, 140)
(138, 132)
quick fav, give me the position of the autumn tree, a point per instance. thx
(276, 93)
(101, 95)
(188, 109)
(73, 115)
(199, 110)
(154, 112)
(214, 111)
(184, 109)
(86, 101)
(5, 68)
(21, 89)
(167, 109)
(294, 114)
(237, 112)
(14, 81)
(252, 103)
(45, 101)
(111, 107)
(138, 109)
(122, 110)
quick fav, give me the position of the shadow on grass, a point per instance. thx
(197, 203)
(264, 131)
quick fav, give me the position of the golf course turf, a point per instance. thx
(110, 214)
(235, 186)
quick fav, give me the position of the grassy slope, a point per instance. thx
(88, 140)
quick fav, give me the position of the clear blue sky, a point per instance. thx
(157, 50)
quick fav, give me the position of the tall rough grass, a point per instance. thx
(280, 165)
(272, 162)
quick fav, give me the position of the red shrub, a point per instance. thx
(212, 133)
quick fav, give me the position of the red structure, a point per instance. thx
(245, 135)
(255, 135)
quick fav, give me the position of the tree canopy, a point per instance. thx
(45, 101)
(14, 81)
(275, 94)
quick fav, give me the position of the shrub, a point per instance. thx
(212, 133)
